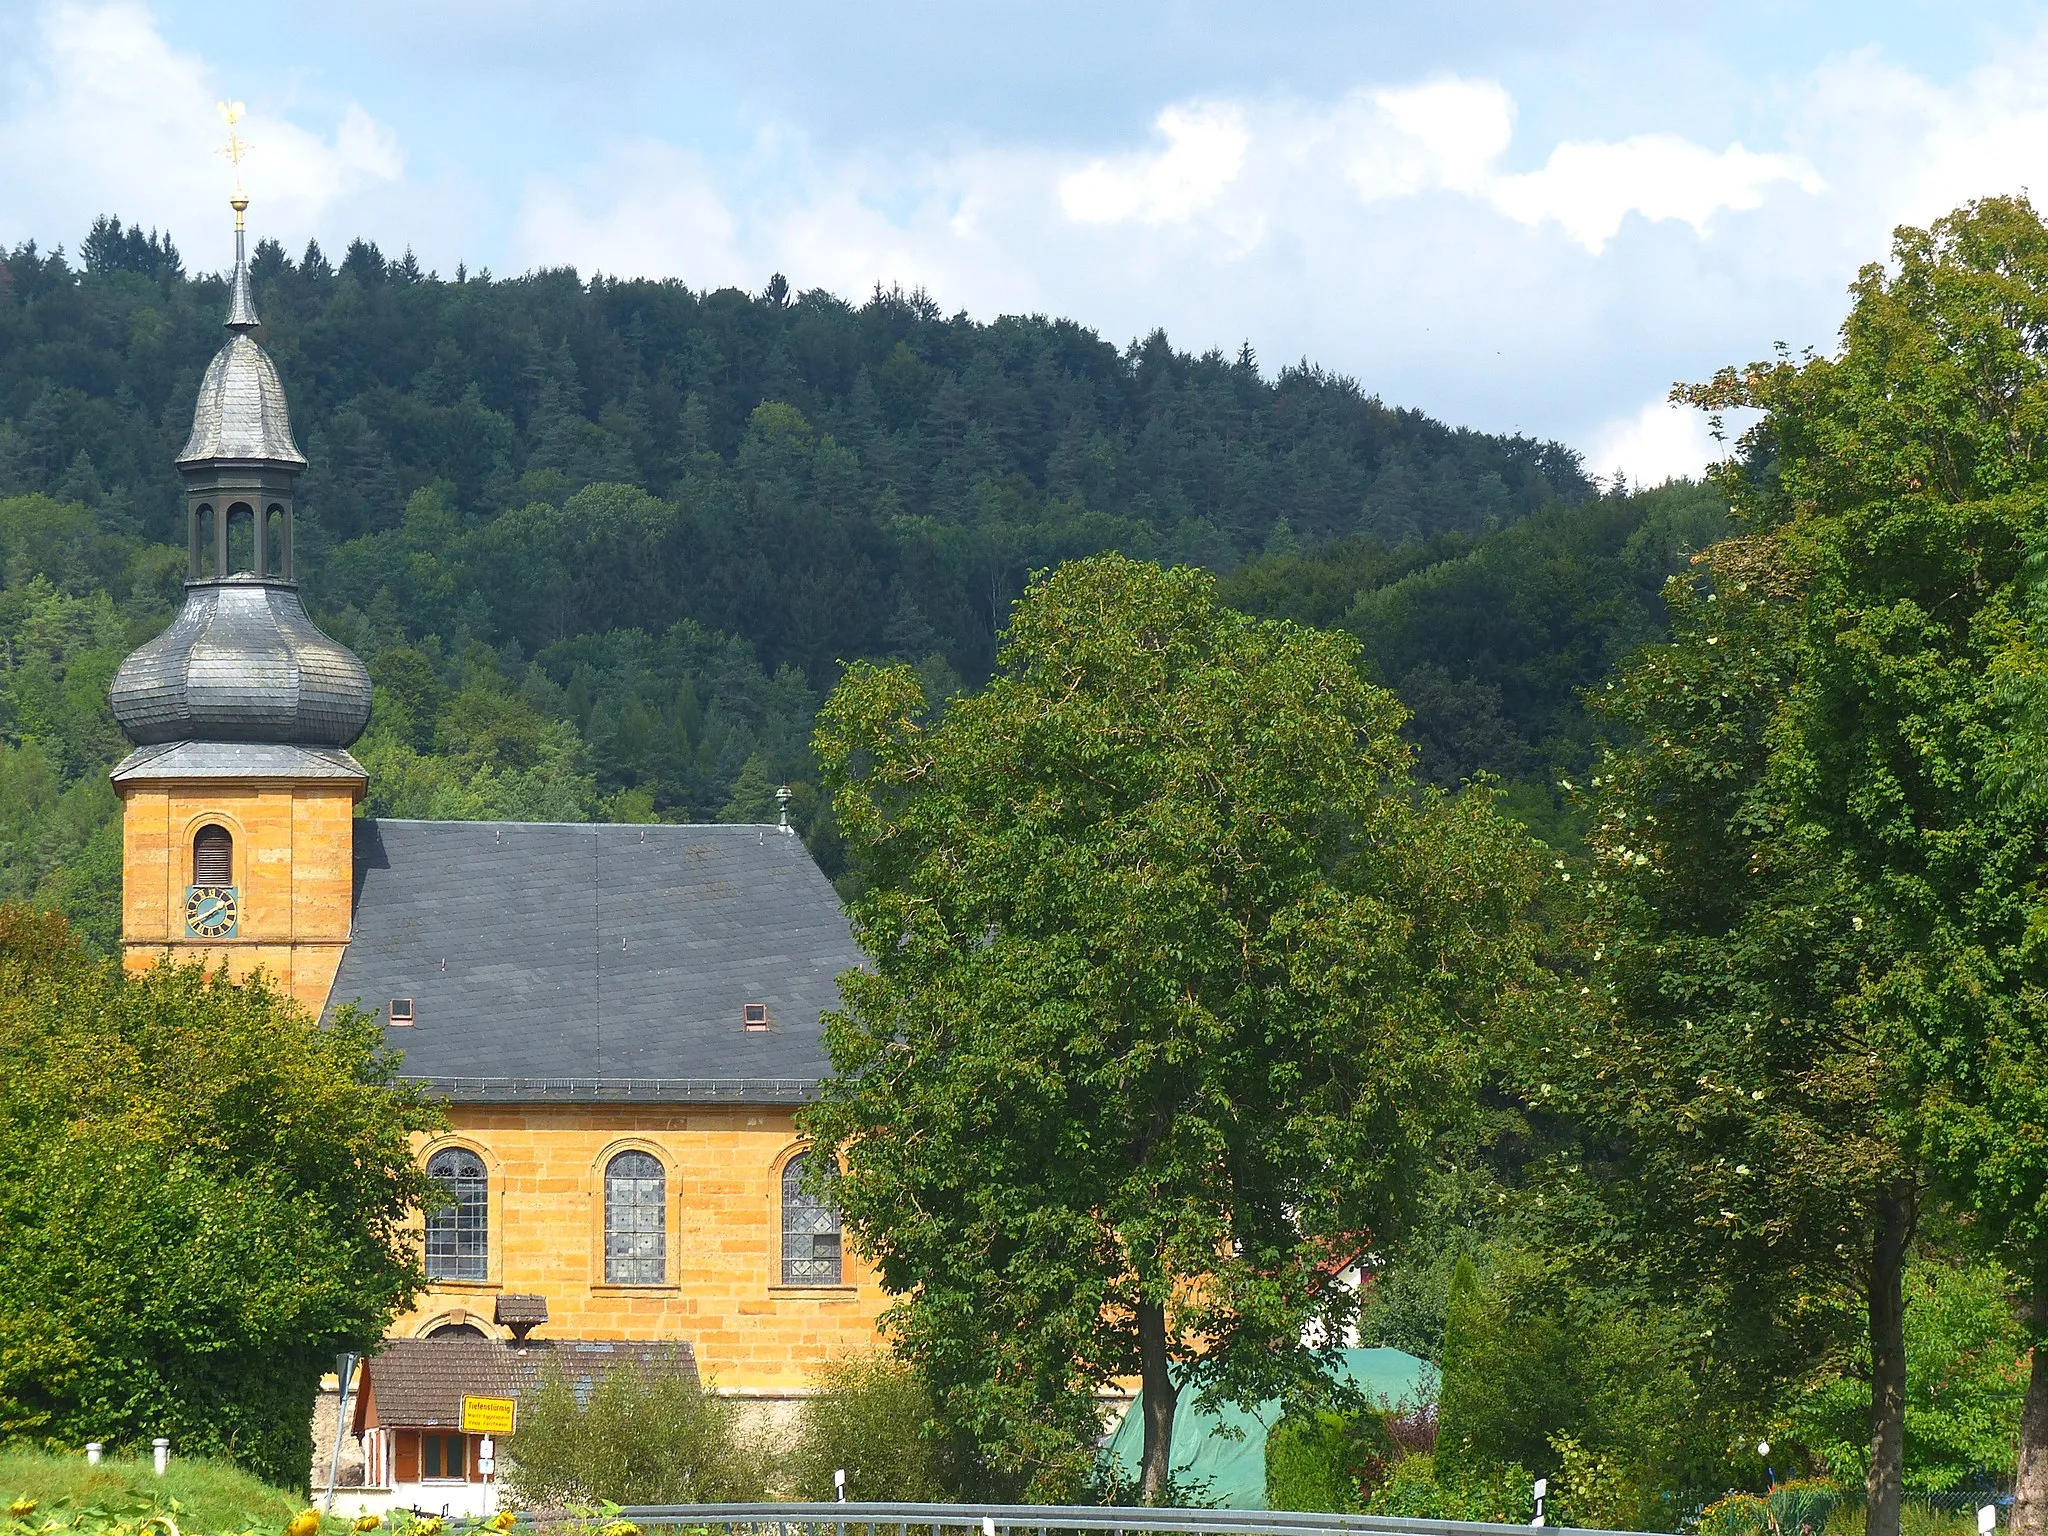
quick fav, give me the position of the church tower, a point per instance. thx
(238, 801)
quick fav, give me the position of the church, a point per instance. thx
(621, 1020)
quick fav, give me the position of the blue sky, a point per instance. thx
(1530, 217)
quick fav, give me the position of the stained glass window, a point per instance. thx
(458, 1234)
(810, 1231)
(635, 1220)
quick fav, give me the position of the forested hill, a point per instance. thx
(605, 544)
(915, 468)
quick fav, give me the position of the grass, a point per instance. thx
(1916, 1518)
(214, 1495)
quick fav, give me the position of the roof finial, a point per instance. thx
(782, 799)
(232, 113)
(241, 303)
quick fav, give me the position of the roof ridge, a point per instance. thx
(643, 826)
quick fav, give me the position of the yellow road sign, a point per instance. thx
(487, 1415)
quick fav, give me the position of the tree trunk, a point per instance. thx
(2030, 1484)
(1888, 1363)
(1157, 1404)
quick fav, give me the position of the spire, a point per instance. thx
(241, 303)
(241, 662)
(241, 411)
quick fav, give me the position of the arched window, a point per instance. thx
(458, 1234)
(810, 1230)
(458, 1331)
(204, 562)
(242, 545)
(213, 856)
(635, 1220)
(277, 541)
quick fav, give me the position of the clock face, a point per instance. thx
(210, 911)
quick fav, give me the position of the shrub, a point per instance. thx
(644, 1435)
(1593, 1489)
(1420, 1488)
(1326, 1461)
(872, 1418)
(1738, 1514)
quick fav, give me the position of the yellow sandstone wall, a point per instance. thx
(293, 868)
(724, 1291)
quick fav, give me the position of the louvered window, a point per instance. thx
(810, 1231)
(458, 1234)
(213, 857)
(635, 1224)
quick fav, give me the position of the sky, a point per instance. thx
(1532, 217)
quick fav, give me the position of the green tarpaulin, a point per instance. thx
(1227, 1471)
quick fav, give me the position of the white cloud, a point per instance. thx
(674, 221)
(1446, 133)
(108, 117)
(1443, 135)
(1205, 148)
(1660, 442)
(1589, 188)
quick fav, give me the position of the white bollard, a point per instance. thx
(839, 1484)
(92, 1452)
(988, 1525)
(163, 1454)
(1987, 1520)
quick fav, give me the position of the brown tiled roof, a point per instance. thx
(522, 1309)
(420, 1383)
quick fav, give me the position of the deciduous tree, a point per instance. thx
(1902, 483)
(1175, 975)
(204, 1195)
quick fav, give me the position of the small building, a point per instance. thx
(408, 1413)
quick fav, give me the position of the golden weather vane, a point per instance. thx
(232, 113)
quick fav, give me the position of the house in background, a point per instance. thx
(407, 1413)
(622, 1020)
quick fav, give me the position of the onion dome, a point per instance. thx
(241, 662)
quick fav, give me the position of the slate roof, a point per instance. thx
(241, 412)
(550, 961)
(242, 662)
(420, 1383)
(188, 760)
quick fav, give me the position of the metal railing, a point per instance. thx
(1041, 1519)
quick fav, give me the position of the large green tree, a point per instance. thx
(204, 1196)
(1901, 486)
(1175, 975)
(1752, 1143)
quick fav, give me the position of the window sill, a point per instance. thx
(828, 1291)
(459, 1286)
(623, 1288)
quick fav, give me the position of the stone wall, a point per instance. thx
(325, 1408)
(293, 870)
(723, 1291)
